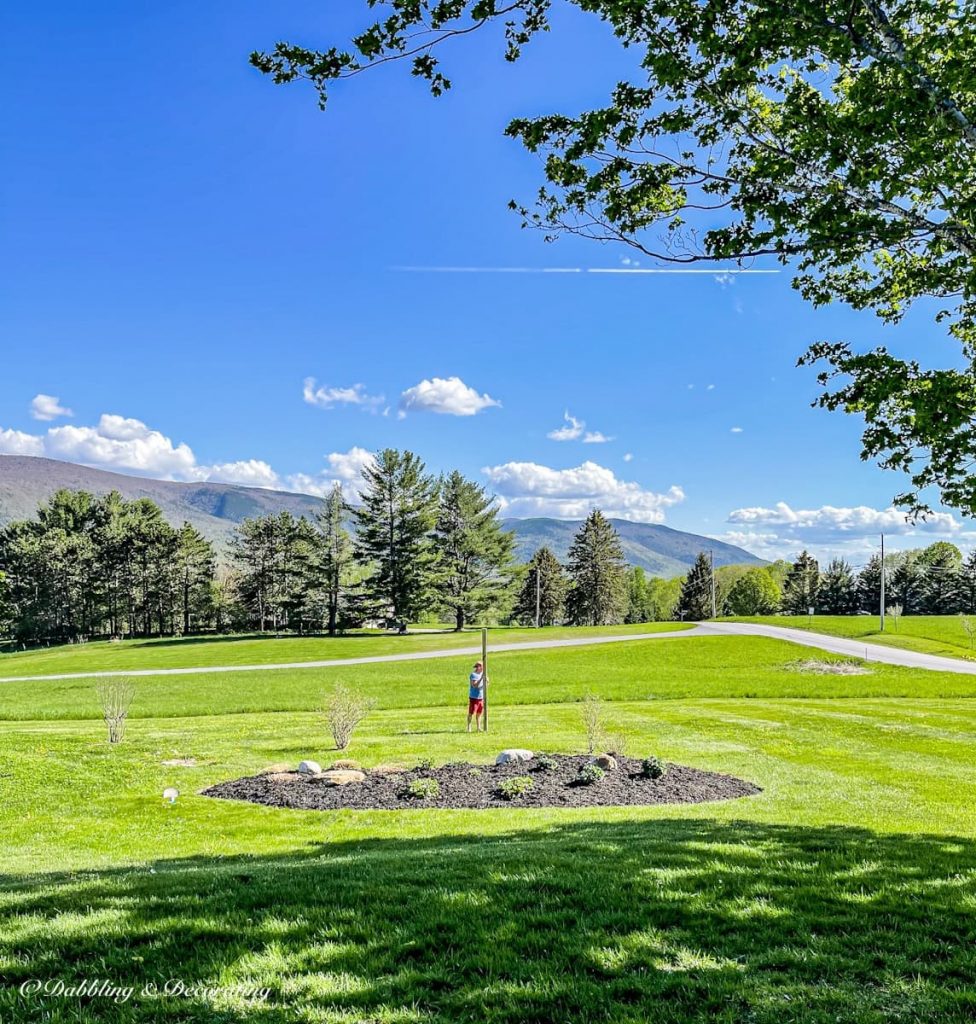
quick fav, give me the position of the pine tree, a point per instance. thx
(941, 594)
(336, 560)
(802, 585)
(395, 534)
(474, 551)
(967, 585)
(552, 587)
(838, 589)
(195, 566)
(905, 583)
(695, 602)
(597, 595)
(869, 585)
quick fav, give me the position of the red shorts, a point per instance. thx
(475, 706)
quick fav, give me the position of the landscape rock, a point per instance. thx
(276, 768)
(347, 764)
(388, 769)
(341, 777)
(286, 776)
(605, 761)
(310, 768)
(514, 754)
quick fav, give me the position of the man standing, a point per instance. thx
(476, 696)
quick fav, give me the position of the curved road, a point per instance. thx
(832, 644)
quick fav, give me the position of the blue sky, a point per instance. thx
(184, 246)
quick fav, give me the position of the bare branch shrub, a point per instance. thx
(969, 627)
(344, 710)
(592, 715)
(894, 613)
(115, 697)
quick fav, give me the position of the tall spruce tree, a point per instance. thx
(474, 551)
(943, 583)
(869, 585)
(967, 585)
(598, 593)
(802, 585)
(695, 602)
(838, 589)
(336, 558)
(395, 534)
(553, 585)
(905, 583)
(195, 567)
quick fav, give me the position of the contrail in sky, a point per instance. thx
(715, 271)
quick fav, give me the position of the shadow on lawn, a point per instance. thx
(666, 921)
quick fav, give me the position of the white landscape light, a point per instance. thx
(170, 794)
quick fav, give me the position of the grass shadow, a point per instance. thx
(668, 921)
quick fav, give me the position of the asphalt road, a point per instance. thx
(833, 644)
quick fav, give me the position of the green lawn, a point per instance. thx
(845, 891)
(930, 634)
(256, 649)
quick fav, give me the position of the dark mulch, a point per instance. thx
(469, 785)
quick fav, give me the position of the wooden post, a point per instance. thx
(484, 672)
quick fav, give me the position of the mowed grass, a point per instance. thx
(929, 634)
(258, 649)
(845, 891)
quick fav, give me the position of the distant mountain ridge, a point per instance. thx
(215, 509)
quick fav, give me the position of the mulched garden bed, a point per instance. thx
(470, 785)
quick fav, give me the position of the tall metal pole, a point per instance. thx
(882, 585)
(711, 563)
(484, 672)
(538, 596)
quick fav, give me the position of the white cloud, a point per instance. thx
(571, 430)
(629, 457)
(528, 489)
(249, 472)
(344, 468)
(449, 396)
(328, 398)
(16, 442)
(711, 387)
(574, 429)
(736, 430)
(47, 407)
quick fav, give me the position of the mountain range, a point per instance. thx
(215, 509)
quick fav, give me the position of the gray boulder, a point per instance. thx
(310, 768)
(514, 754)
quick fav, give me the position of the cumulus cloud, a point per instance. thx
(16, 442)
(735, 430)
(528, 489)
(449, 396)
(47, 407)
(329, 398)
(344, 468)
(828, 531)
(128, 445)
(574, 429)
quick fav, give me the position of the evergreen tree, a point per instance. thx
(869, 585)
(336, 558)
(640, 607)
(474, 551)
(597, 595)
(695, 602)
(552, 587)
(195, 567)
(802, 585)
(905, 583)
(754, 593)
(942, 593)
(838, 589)
(967, 585)
(394, 537)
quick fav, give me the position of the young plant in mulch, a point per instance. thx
(652, 768)
(516, 786)
(589, 774)
(424, 789)
(545, 763)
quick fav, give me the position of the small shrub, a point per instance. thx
(344, 710)
(545, 763)
(516, 786)
(347, 764)
(115, 696)
(652, 768)
(425, 765)
(424, 789)
(474, 771)
(592, 715)
(589, 774)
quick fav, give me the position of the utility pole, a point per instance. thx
(538, 595)
(882, 585)
(711, 563)
(484, 673)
